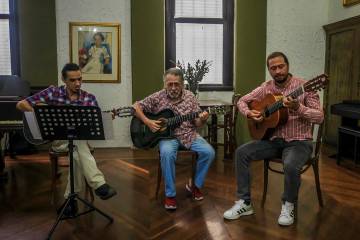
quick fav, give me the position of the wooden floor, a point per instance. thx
(26, 212)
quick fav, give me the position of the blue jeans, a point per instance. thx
(168, 152)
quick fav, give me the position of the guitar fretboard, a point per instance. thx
(182, 118)
(279, 104)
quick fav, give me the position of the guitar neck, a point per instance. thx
(279, 104)
(182, 118)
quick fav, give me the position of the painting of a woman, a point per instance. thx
(97, 57)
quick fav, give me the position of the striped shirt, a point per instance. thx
(58, 96)
(299, 124)
(156, 102)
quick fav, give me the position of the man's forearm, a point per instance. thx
(139, 113)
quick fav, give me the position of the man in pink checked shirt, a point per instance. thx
(291, 141)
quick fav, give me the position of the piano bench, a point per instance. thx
(348, 136)
(55, 174)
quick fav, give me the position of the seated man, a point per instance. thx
(181, 102)
(84, 162)
(292, 141)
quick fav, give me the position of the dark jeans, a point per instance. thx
(294, 155)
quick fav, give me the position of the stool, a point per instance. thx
(345, 143)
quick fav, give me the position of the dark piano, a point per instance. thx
(12, 89)
(349, 131)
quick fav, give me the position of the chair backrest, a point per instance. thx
(320, 132)
(235, 113)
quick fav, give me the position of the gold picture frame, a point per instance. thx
(95, 47)
(347, 3)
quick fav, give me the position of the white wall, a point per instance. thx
(295, 28)
(108, 95)
(338, 12)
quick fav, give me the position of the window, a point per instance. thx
(202, 29)
(9, 50)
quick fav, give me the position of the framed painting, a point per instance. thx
(95, 47)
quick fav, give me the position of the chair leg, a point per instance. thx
(159, 174)
(317, 183)
(193, 172)
(266, 173)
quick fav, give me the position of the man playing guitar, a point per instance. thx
(181, 102)
(291, 141)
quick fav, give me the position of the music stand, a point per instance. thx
(71, 123)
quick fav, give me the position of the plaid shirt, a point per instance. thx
(186, 132)
(298, 126)
(58, 96)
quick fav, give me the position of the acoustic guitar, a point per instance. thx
(143, 137)
(272, 109)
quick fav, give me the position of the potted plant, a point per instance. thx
(194, 74)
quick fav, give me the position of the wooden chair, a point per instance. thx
(180, 154)
(229, 126)
(312, 162)
(55, 175)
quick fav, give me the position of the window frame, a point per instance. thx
(14, 36)
(228, 41)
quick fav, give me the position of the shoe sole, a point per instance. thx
(109, 196)
(286, 224)
(167, 207)
(251, 212)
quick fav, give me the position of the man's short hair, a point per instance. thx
(176, 72)
(277, 54)
(69, 67)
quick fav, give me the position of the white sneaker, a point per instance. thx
(238, 210)
(286, 217)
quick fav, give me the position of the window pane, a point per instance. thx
(4, 6)
(198, 8)
(204, 42)
(5, 59)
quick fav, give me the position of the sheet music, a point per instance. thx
(108, 125)
(33, 125)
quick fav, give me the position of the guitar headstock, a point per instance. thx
(122, 112)
(316, 83)
(216, 110)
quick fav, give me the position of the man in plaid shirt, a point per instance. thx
(181, 102)
(291, 141)
(84, 162)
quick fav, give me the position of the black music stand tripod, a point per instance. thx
(71, 123)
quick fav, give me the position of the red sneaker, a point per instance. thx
(195, 192)
(170, 203)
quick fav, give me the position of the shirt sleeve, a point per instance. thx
(93, 101)
(257, 94)
(311, 109)
(42, 97)
(149, 103)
